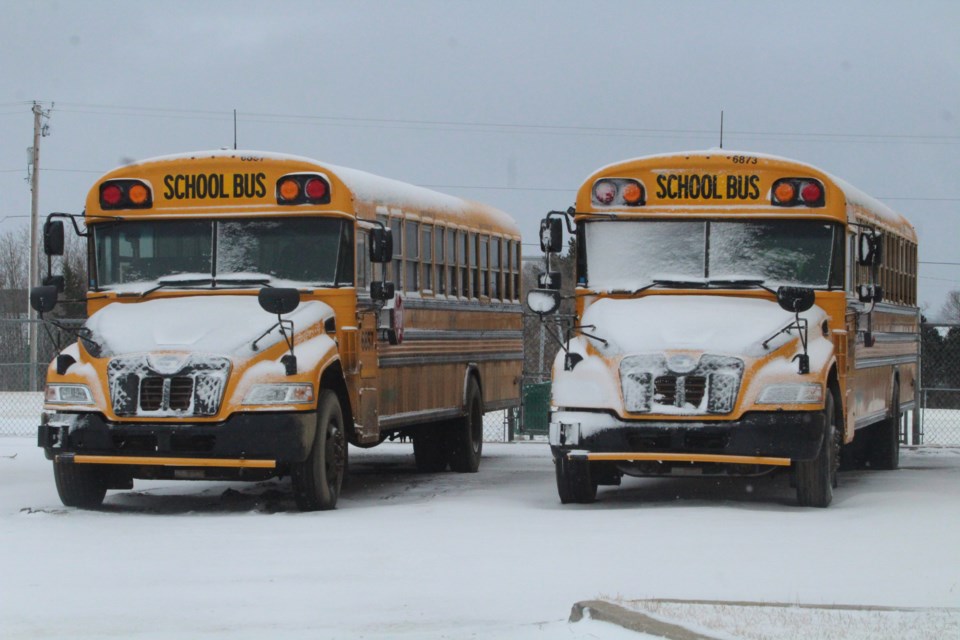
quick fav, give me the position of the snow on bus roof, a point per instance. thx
(868, 204)
(363, 185)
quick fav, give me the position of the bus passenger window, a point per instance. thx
(412, 254)
(427, 257)
(465, 238)
(452, 261)
(438, 257)
(495, 268)
(396, 229)
(516, 271)
(484, 264)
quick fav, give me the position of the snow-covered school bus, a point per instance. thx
(736, 313)
(250, 314)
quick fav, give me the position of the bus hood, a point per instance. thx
(225, 325)
(705, 323)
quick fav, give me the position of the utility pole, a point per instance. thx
(40, 130)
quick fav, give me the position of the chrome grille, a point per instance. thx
(181, 385)
(649, 385)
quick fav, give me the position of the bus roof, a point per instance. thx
(365, 187)
(865, 205)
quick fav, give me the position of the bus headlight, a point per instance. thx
(791, 394)
(279, 394)
(68, 394)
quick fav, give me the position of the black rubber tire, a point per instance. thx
(318, 479)
(430, 447)
(817, 478)
(884, 447)
(575, 481)
(80, 485)
(466, 437)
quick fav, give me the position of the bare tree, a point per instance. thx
(950, 312)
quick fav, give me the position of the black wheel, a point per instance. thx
(884, 445)
(430, 447)
(817, 478)
(466, 437)
(318, 479)
(80, 485)
(575, 481)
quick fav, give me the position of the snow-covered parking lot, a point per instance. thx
(492, 554)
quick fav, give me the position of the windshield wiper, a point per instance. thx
(162, 284)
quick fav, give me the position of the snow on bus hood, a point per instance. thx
(225, 325)
(715, 324)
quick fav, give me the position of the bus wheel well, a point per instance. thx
(332, 378)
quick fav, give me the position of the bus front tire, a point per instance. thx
(318, 479)
(466, 438)
(430, 447)
(80, 485)
(817, 478)
(575, 481)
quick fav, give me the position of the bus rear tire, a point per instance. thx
(318, 479)
(466, 438)
(80, 485)
(817, 478)
(575, 481)
(430, 447)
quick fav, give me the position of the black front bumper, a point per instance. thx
(796, 435)
(283, 437)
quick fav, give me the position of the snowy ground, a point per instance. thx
(490, 555)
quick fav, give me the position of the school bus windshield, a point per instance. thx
(628, 255)
(309, 250)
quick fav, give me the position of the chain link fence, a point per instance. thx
(939, 396)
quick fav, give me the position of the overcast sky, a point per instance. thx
(512, 103)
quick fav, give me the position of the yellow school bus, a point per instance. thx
(736, 313)
(250, 314)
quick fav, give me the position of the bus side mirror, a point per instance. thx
(278, 300)
(382, 291)
(551, 235)
(381, 245)
(549, 280)
(543, 302)
(795, 299)
(60, 282)
(868, 293)
(53, 237)
(870, 249)
(43, 299)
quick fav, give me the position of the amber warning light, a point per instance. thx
(125, 194)
(792, 192)
(303, 188)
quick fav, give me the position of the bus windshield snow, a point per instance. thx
(634, 255)
(251, 252)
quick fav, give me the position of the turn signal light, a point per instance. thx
(791, 192)
(303, 188)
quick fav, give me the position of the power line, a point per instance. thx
(498, 126)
